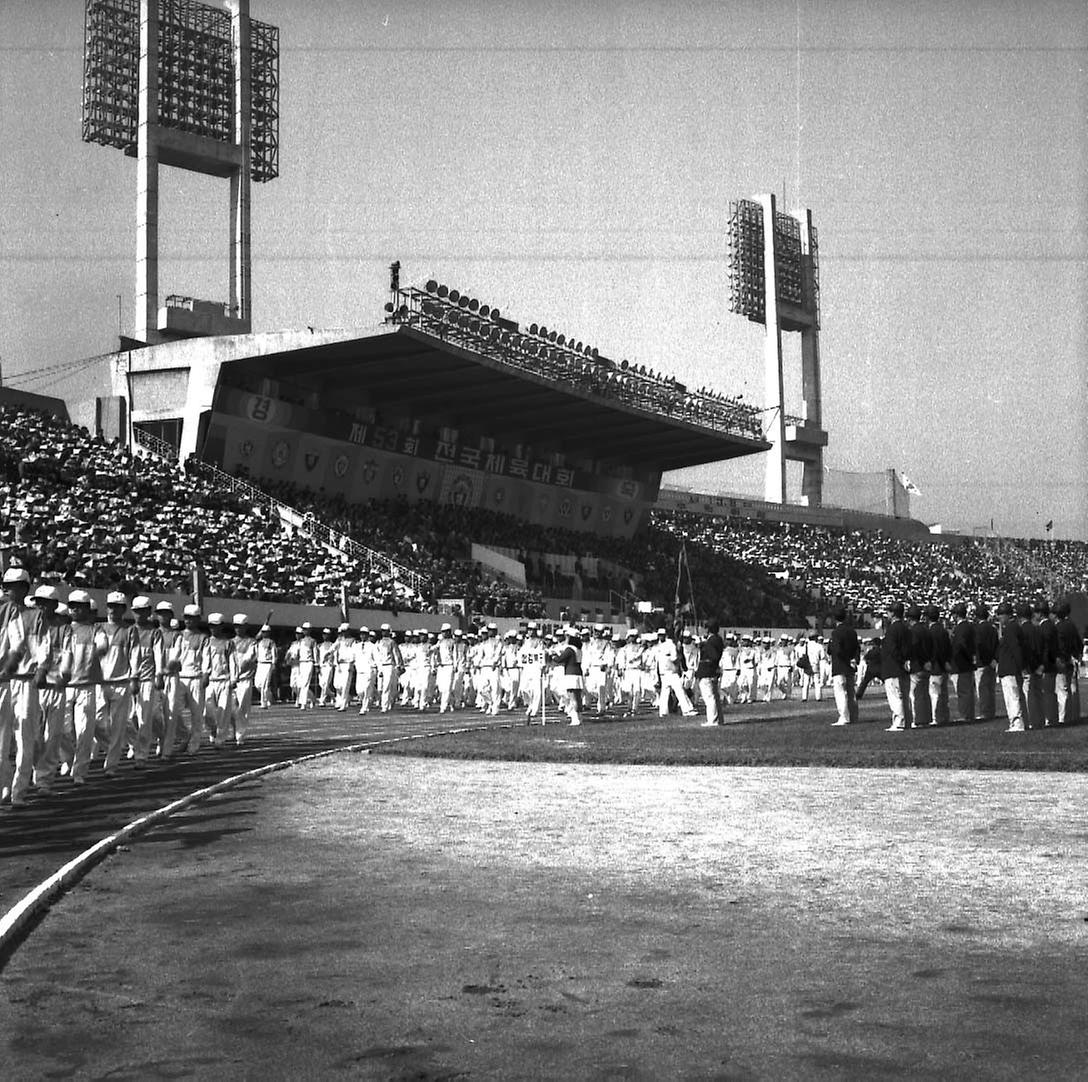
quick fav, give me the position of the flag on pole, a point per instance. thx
(1049, 527)
(909, 486)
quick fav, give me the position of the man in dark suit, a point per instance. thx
(1010, 666)
(1048, 657)
(894, 659)
(844, 652)
(963, 663)
(1070, 648)
(940, 659)
(986, 639)
(921, 651)
(1032, 680)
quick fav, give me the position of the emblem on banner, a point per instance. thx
(281, 454)
(398, 476)
(370, 471)
(259, 408)
(500, 495)
(628, 515)
(245, 448)
(423, 479)
(606, 513)
(587, 510)
(311, 458)
(460, 490)
(340, 466)
(628, 489)
(566, 507)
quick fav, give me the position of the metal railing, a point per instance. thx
(485, 332)
(306, 522)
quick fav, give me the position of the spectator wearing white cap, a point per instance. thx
(266, 665)
(191, 654)
(365, 662)
(307, 663)
(667, 660)
(245, 663)
(150, 676)
(344, 661)
(390, 665)
(222, 679)
(445, 659)
(326, 665)
(119, 681)
(88, 646)
(19, 700)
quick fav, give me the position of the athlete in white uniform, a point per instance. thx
(344, 660)
(245, 660)
(307, 662)
(150, 672)
(326, 666)
(266, 665)
(191, 654)
(222, 679)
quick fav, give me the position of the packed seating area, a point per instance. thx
(85, 512)
(865, 570)
(82, 511)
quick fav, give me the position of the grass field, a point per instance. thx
(778, 734)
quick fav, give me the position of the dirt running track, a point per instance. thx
(377, 918)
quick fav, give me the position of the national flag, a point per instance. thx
(909, 486)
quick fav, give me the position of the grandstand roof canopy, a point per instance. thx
(407, 372)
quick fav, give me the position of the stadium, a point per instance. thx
(248, 573)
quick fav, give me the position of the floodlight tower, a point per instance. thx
(774, 279)
(185, 84)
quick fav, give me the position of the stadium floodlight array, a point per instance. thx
(196, 77)
(451, 315)
(797, 278)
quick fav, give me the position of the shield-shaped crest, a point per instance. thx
(423, 479)
(587, 510)
(311, 458)
(628, 515)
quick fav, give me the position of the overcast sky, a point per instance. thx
(573, 163)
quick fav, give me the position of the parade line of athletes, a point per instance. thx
(74, 689)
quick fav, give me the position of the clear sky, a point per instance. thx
(573, 163)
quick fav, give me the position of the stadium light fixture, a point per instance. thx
(431, 286)
(474, 305)
(485, 311)
(455, 296)
(533, 329)
(442, 291)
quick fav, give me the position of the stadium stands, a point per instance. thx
(81, 511)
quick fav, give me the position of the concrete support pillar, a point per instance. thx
(147, 177)
(773, 389)
(240, 256)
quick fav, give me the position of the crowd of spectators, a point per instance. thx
(560, 361)
(85, 512)
(865, 570)
(79, 510)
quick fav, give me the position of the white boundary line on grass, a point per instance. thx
(30, 908)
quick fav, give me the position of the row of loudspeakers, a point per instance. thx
(452, 296)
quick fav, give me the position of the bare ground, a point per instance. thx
(381, 918)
